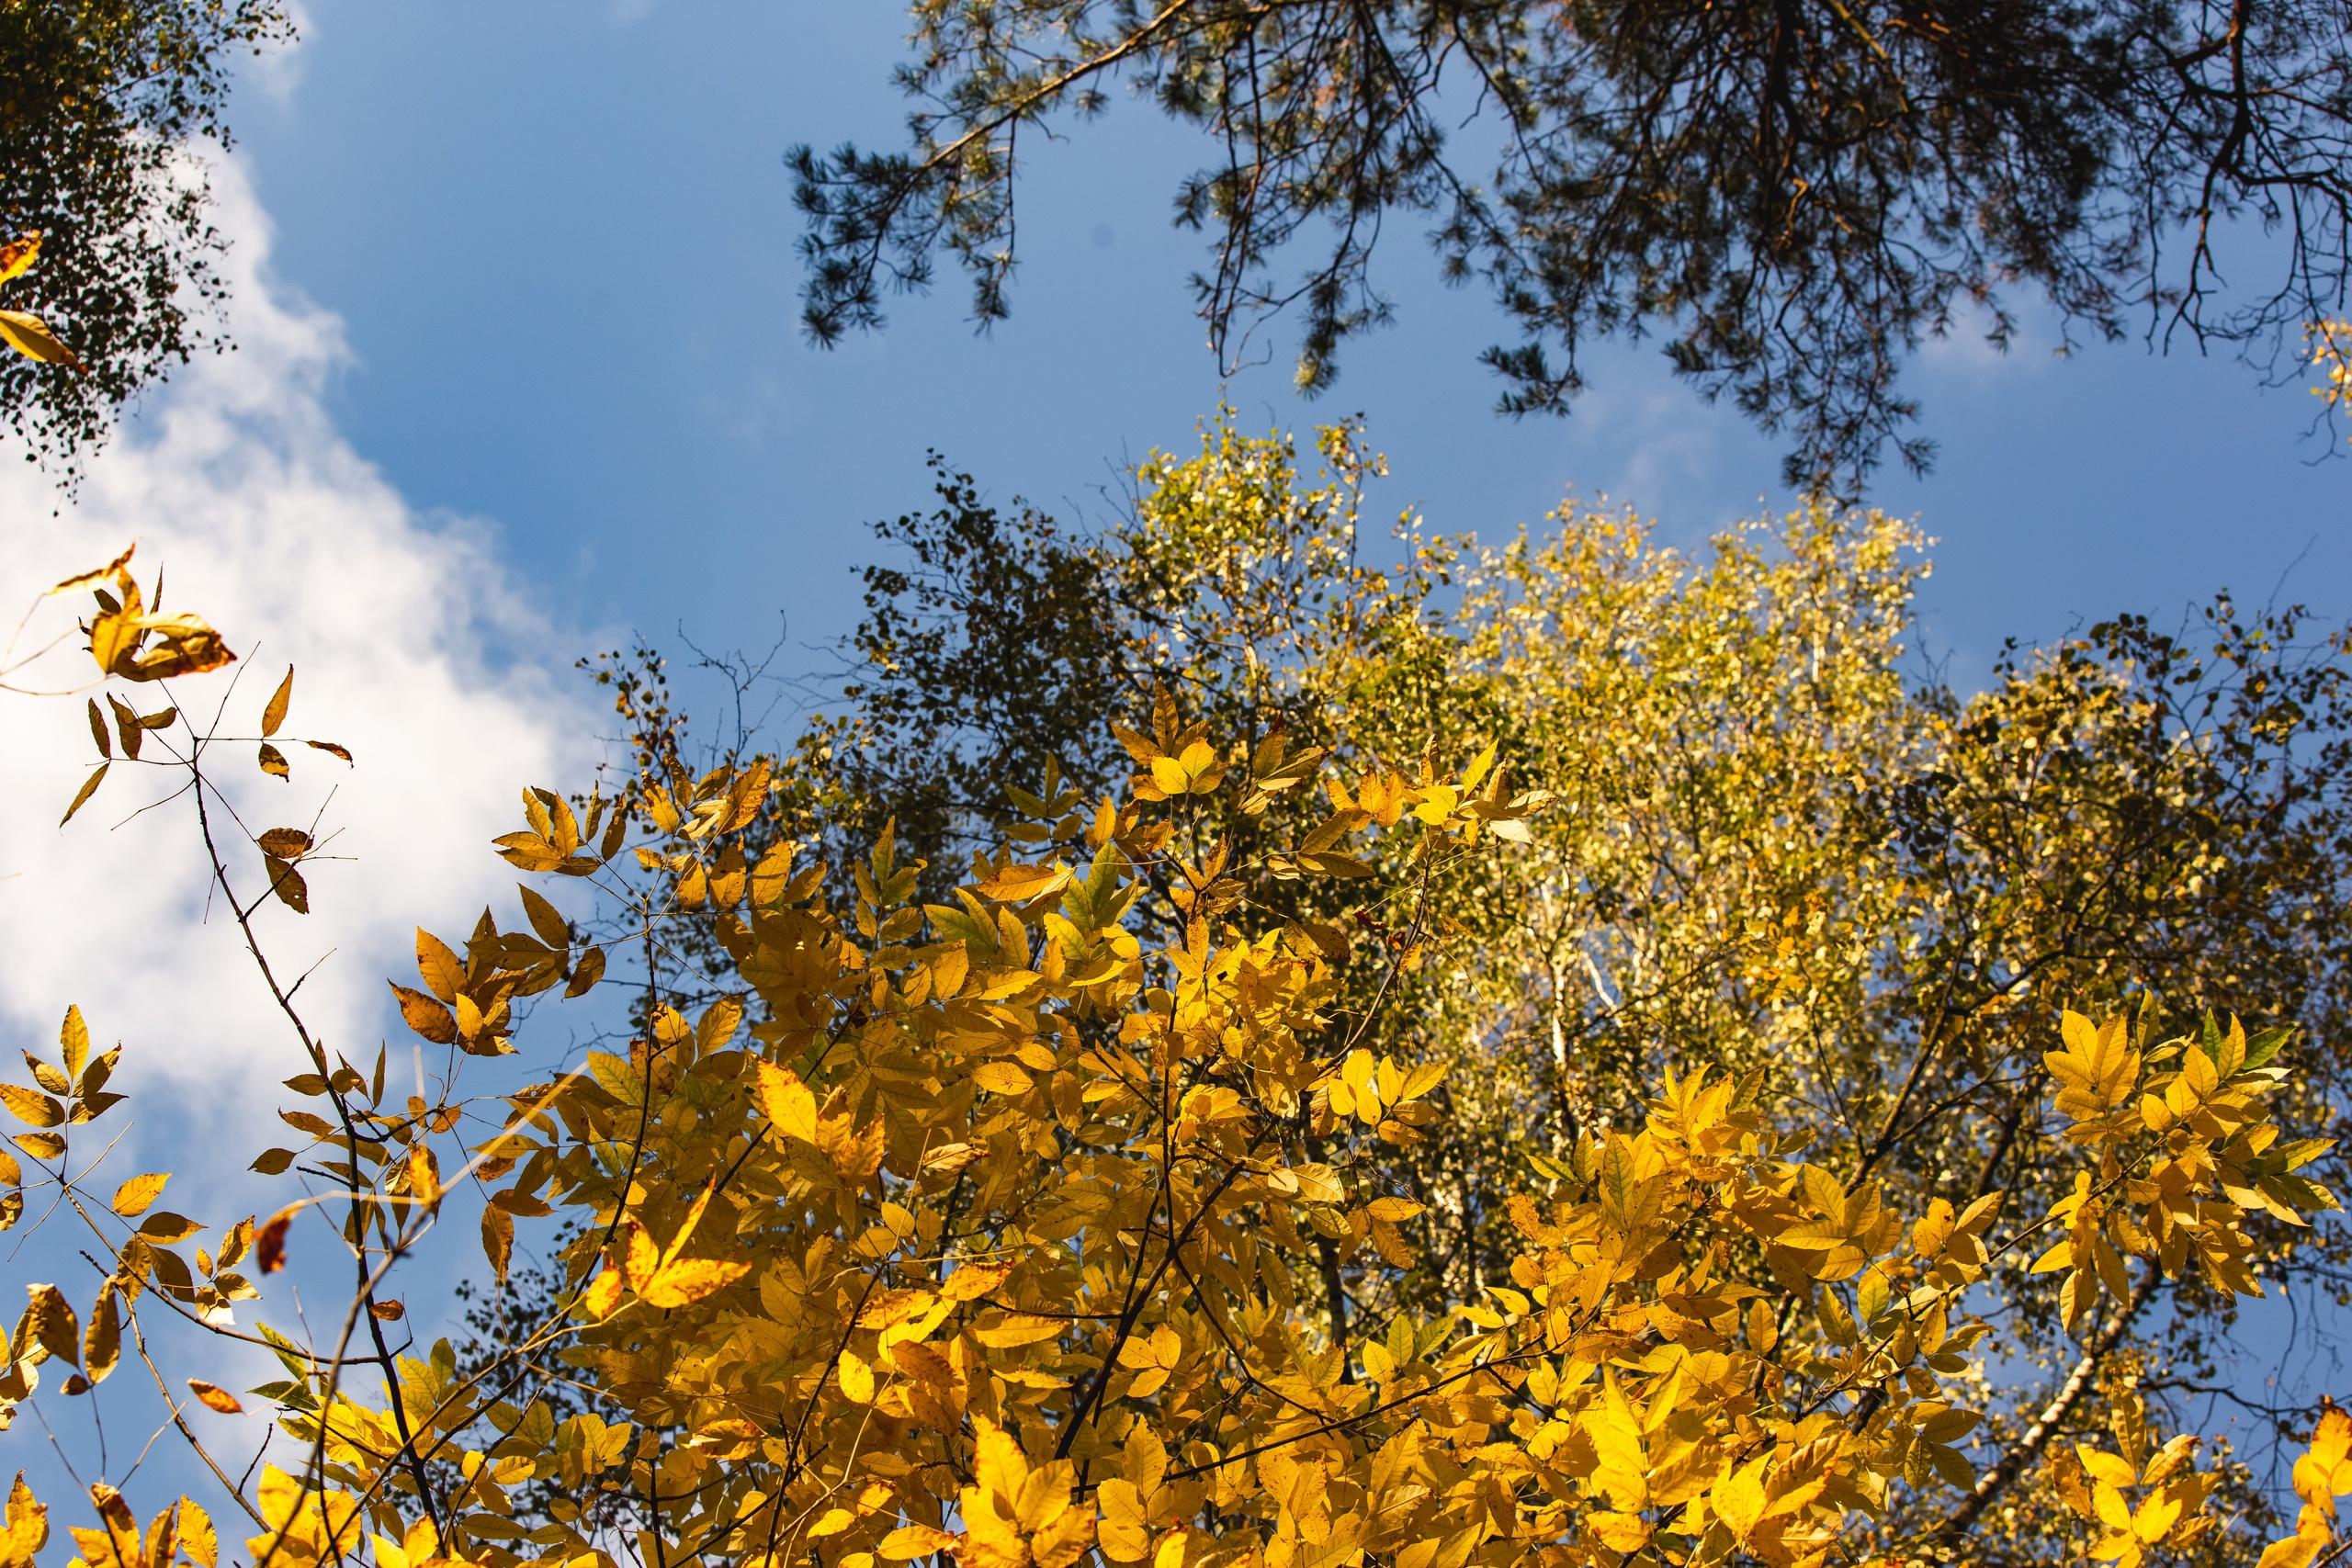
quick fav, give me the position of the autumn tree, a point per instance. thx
(1096, 1206)
(959, 1232)
(1777, 843)
(1790, 197)
(106, 101)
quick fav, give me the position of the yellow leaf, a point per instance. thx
(16, 257)
(585, 974)
(787, 1104)
(689, 1280)
(603, 1294)
(1124, 1532)
(274, 714)
(1019, 884)
(28, 336)
(423, 1174)
(133, 1198)
(2108, 1469)
(424, 1015)
(1003, 1078)
(498, 1240)
(198, 1538)
(74, 1041)
(1015, 1329)
(1738, 1497)
(286, 844)
(52, 1322)
(81, 797)
(1619, 1532)
(102, 1341)
(909, 1541)
(857, 1377)
(440, 968)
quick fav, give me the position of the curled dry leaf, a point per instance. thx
(212, 1396)
(269, 1244)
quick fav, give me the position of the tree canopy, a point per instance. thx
(103, 99)
(1556, 1052)
(1790, 197)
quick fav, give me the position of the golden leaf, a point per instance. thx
(424, 1015)
(274, 714)
(284, 843)
(28, 335)
(133, 1198)
(498, 1240)
(17, 256)
(787, 1104)
(102, 1341)
(81, 797)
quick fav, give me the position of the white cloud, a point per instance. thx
(413, 644)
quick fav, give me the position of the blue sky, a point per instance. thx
(559, 234)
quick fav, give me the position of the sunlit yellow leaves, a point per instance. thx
(29, 1105)
(127, 641)
(1153, 1357)
(787, 1104)
(2097, 1070)
(306, 1527)
(2322, 1474)
(857, 1377)
(1084, 1208)
(1015, 1329)
(1017, 1515)
(1001, 1078)
(1018, 884)
(1738, 1498)
(28, 1530)
(666, 1279)
(102, 1340)
(909, 1541)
